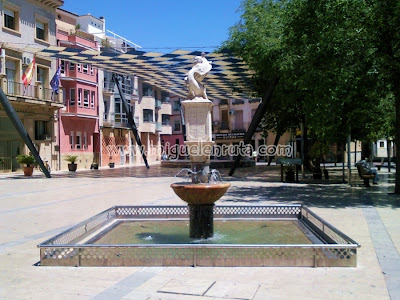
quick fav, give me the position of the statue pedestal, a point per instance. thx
(198, 119)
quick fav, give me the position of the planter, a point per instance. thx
(72, 167)
(94, 166)
(111, 165)
(28, 171)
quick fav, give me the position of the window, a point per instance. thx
(40, 130)
(147, 115)
(85, 68)
(11, 18)
(177, 105)
(71, 140)
(40, 75)
(78, 140)
(165, 119)
(41, 30)
(92, 102)
(72, 97)
(381, 144)
(147, 90)
(62, 66)
(79, 97)
(85, 140)
(91, 70)
(164, 96)
(79, 68)
(71, 66)
(64, 98)
(177, 125)
(86, 98)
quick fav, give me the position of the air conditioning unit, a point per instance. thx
(232, 112)
(26, 60)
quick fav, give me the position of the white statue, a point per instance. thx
(196, 75)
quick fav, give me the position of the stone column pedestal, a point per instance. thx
(201, 221)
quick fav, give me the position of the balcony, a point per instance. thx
(158, 104)
(147, 127)
(237, 102)
(52, 3)
(166, 129)
(255, 100)
(223, 102)
(108, 120)
(224, 126)
(33, 94)
(158, 127)
(110, 87)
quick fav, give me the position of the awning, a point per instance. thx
(229, 77)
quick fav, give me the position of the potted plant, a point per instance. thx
(94, 166)
(28, 161)
(111, 163)
(72, 166)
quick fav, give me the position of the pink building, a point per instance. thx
(79, 128)
(176, 139)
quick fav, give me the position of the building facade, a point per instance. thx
(231, 120)
(79, 127)
(26, 26)
(176, 139)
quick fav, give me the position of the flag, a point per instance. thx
(28, 75)
(55, 81)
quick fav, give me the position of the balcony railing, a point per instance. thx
(237, 102)
(224, 126)
(18, 89)
(30, 91)
(110, 87)
(158, 104)
(158, 126)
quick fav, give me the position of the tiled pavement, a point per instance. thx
(35, 209)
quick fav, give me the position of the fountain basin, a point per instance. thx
(72, 247)
(201, 193)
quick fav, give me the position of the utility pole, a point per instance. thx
(131, 122)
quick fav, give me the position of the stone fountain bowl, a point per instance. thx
(201, 193)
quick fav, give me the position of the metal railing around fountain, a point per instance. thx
(69, 248)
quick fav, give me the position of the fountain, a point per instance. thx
(246, 235)
(204, 190)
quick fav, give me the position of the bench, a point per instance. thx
(290, 162)
(366, 177)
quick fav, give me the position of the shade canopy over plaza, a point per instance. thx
(229, 77)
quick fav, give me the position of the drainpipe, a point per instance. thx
(59, 139)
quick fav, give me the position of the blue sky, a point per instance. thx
(165, 24)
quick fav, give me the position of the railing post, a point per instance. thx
(3, 83)
(60, 96)
(39, 90)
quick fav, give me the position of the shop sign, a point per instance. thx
(229, 136)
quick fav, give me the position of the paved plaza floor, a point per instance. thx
(35, 209)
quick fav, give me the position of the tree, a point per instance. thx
(337, 62)
(384, 30)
